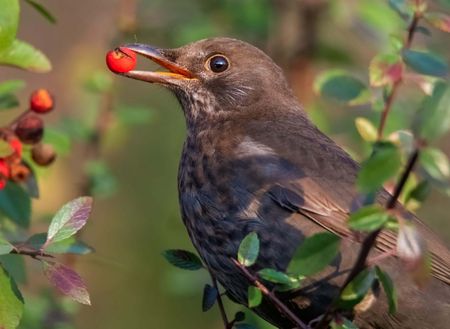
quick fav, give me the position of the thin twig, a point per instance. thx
(390, 98)
(369, 241)
(36, 254)
(220, 303)
(271, 296)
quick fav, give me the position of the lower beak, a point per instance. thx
(175, 74)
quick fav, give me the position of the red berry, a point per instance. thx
(41, 101)
(17, 147)
(121, 60)
(4, 173)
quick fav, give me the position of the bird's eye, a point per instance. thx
(218, 63)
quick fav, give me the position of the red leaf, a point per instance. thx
(439, 20)
(67, 281)
(385, 69)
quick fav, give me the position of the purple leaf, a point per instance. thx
(69, 219)
(67, 281)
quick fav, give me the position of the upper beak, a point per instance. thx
(176, 71)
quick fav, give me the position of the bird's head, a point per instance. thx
(211, 76)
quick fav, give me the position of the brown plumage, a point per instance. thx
(252, 161)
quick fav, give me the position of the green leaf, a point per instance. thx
(24, 56)
(210, 295)
(42, 10)
(420, 192)
(385, 69)
(11, 86)
(275, 276)
(7, 98)
(366, 129)
(249, 249)
(402, 8)
(183, 259)
(433, 119)
(389, 289)
(11, 301)
(15, 265)
(5, 246)
(440, 21)
(67, 281)
(9, 20)
(425, 63)
(66, 246)
(359, 286)
(340, 86)
(383, 164)
(435, 163)
(254, 296)
(314, 254)
(5, 149)
(368, 218)
(15, 203)
(59, 140)
(8, 101)
(69, 220)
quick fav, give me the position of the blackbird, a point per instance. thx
(253, 162)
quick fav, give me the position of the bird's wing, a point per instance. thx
(312, 175)
(318, 207)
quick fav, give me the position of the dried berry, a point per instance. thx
(41, 101)
(19, 172)
(30, 129)
(121, 60)
(43, 154)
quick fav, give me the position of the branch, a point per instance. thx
(271, 296)
(391, 96)
(228, 325)
(370, 240)
(36, 254)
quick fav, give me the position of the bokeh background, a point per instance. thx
(131, 285)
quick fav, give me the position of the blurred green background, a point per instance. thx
(131, 285)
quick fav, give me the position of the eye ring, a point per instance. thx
(217, 63)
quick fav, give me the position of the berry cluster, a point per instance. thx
(28, 128)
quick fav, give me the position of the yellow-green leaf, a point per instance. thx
(254, 296)
(249, 249)
(366, 129)
(11, 302)
(9, 20)
(368, 218)
(22, 55)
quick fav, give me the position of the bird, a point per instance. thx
(252, 161)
